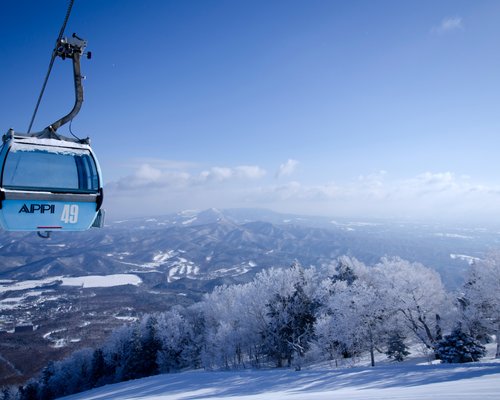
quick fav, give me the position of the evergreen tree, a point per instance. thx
(278, 330)
(5, 395)
(29, 391)
(459, 347)
(150, 346)
(132, 362)
(396, 347)
(480, 300)
(46, 392)
(344, 271)
(290, 326)
(304, 310)
(472, 319)
(98, 367)
(9, 393)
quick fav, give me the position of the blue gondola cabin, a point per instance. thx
(48, 184)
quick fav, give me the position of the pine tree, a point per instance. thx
(278, 330)
(46, 392)
(132, 363)
(303, 322)
(290, 327)
(9, 393)
(150, 345)
(98, 367)
(30, 391)
(480, 300)
(396, 347)
(459, 347)
(344, 271)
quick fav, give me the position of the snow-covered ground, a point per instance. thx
(390, 381)
(14, 300)
(90, 281)
(94, 281)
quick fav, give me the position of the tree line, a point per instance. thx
(286, 317)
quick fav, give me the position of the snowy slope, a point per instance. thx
(466, 381)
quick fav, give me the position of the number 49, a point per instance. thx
(70, 214)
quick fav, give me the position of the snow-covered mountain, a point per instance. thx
(232, 245)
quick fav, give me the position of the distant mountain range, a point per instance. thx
(209, 247)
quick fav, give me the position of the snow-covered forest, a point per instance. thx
(296, 316)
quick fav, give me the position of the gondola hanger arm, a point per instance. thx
(72, 48)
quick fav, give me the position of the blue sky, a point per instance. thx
(342, 108)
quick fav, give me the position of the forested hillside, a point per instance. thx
(294, 316)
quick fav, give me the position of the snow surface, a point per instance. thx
(189, 221)
(52, 145)
(94, 281)
(392, 381)
(469, 259)
(453, 235)
(90, 281)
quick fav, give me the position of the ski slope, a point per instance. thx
(390, 381)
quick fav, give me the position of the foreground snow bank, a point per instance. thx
(465, 381)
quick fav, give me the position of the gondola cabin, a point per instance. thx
(48, 184)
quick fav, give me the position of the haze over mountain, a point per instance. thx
(215, 246)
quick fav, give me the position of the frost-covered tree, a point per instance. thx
(98, 368)
(360, 314)
(132, 357)
(9, 393)
(73, 374)
(348, 269)
(303, 310)
(116, 352)
(290, 319)
(47, 391)
(230, 326)
(364, 306)
(61, 378)
(179, 342)
(480, 299)
(236, 317)
(29, 391)
(354, 314)
(150, 345)
(416, 294)
(333, 330)
(290, 327)
(278, 330)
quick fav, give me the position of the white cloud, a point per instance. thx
(156, 177)
(147, 176)
(217, 174)
(288, 168)
(220, 174)
(250, 171)
(429, 195)
(161, 163)
(433, 183)
(449, 24)
(146, 173)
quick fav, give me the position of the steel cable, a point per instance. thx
(52, 59)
